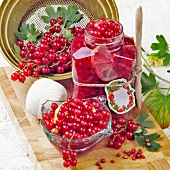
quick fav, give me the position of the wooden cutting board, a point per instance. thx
(47, 157)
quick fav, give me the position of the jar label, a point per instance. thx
(120, 96)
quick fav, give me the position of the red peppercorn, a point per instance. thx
(139, 151)
(112, 161)
(134, 155)
(138, 156)
(147, 140)
(148, 144)
(102, 160)
(125, 151)
(118, 154)
(129, 153)
(97, 163)
(100, 167)
(143, 156)
(125, 156)
(133, 158)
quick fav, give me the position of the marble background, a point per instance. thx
(156, 20)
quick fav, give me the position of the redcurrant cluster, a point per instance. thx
(122, 129)
(48, 118)
(78, 118)
(103, 28)
(51, 56)
(69, 158)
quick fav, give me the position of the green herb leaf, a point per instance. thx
(67, 34)
(154, 147)
(27, 32)
(70, 15)
(166, 60)
(152, 137)
(162, 50)
(61, 12)
(138, 130)
(144, 131)
(162, 45)
(51, 14)
(142, 120)
(141, 140)
(16, 51)
(148, 82)
(159, 106)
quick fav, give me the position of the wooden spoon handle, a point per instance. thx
(138, 67)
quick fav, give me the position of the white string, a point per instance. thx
(21, 120)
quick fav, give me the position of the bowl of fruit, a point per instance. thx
(35, 37)
(76, 125)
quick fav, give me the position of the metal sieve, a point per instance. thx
(15, 12)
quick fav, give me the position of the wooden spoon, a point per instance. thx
(138, 67)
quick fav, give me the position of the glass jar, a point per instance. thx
(99, 59)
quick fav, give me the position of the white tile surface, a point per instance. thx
(156, 20)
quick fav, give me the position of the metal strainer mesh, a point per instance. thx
(33, 15)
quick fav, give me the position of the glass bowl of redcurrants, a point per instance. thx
(76, 124)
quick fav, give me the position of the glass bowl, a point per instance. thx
(78, 145)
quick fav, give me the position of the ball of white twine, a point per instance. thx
(42, 90)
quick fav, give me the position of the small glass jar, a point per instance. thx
(98, 59)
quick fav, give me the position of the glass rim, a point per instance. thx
(102, 132)
(106, 131)
(113, 38)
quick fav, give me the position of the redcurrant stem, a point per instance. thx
(69, 50)
(63, 26)
(119, 132)
(151, 71)
(69, 141)
(136, 117)
(62, 49)
(163, 88)
(168, 91)
(25, 67)
(51, 65)
(55, 64)
(35, 44)
(56, 24)
(68, 63)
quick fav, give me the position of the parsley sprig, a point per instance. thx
(141, 134)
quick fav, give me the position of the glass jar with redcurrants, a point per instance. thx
(101, 55)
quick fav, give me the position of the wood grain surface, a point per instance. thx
(48, 157)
